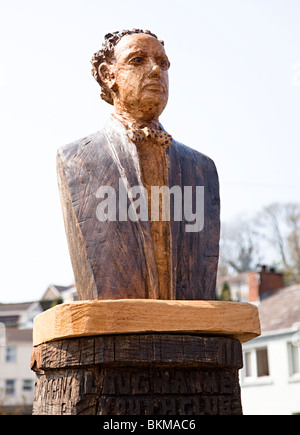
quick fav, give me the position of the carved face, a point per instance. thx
(139, 77)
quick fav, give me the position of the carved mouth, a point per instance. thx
(155, 87)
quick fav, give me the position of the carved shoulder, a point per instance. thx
(194, 157)
(74, 150)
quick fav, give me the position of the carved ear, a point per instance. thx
(106, 75)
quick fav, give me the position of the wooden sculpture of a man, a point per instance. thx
(141, 210)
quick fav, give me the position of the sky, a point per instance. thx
(234, 96)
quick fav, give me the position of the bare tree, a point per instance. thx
(280, 227)
(239, 247)
(293, 239)
(271, 221)
(271, 237)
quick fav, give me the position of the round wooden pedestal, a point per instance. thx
(140, 374)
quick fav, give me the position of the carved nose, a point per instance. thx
(155, 71)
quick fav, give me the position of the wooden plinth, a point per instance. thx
(141, 357)
(126, 316)
(140, 374)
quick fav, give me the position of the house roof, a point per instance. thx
(15, 334)
(15, 307)
(62, 288)
(281, 310)
(54, 291)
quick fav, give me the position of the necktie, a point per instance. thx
(139, 135)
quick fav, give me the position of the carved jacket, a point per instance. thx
(115, 259)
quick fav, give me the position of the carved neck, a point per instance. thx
(128, 121)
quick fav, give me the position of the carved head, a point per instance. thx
(132, 70)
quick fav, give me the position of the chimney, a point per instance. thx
(253, 284)
(263, 283)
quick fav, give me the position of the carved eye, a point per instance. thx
(164, 64)
(137, 60)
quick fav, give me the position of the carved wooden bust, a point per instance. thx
(141, 210)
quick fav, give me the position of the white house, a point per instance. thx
(19, 315)
(270, 379)
(16, 378)
(16, 323)
(66, 294)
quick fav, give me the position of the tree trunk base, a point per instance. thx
(138, 374)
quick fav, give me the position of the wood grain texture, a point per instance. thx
(125, 316)
(151, 374)
(188, 350)
(154, 163)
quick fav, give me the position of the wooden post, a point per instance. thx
(170, 370)
(152, 374)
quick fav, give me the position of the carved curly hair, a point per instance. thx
(105, 54)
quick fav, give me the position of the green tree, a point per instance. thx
(225, 293)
